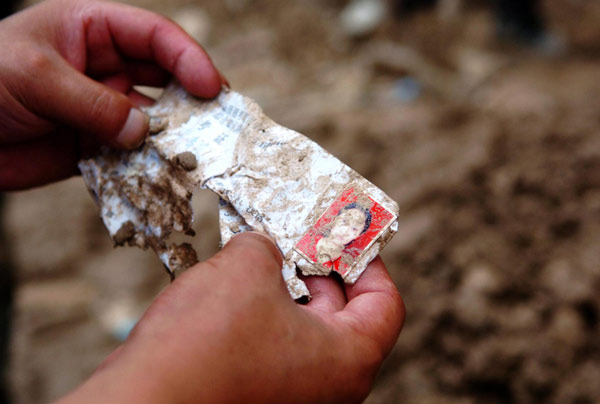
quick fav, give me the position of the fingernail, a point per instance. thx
(224, 80)
(271, 239)
(135, 129)
(257, 234)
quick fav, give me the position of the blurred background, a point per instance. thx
(481, 118)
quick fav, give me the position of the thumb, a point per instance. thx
(250, 259)
(248, 264)
(75, 100)
(250, 255)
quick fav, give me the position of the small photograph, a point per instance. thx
(345, 231)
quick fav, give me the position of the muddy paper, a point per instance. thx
(323, 215)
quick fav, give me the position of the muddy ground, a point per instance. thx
(494, 160)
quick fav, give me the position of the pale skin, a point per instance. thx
(226, 331)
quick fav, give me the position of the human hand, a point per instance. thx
(69, 66)
(226, 331)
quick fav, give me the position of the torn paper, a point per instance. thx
(323, 215)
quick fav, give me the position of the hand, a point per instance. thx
(68, 67)
(226, 331)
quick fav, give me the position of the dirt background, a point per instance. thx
(495, 163)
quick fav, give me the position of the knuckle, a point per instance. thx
(164, 27)
(102, 103)
(83, 10)
(175, 61)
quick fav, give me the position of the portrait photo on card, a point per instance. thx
(351, 224)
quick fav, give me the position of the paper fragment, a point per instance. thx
(322, 214)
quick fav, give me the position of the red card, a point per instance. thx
(345, 231)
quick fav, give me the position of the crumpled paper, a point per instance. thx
(322, 214)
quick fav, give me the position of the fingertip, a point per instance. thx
(375, 304)
(374, 278)
(134, 131)
(327, 293)
(259, 241)
(198, 75)
(224, 81)
(377, 279)
(143, 35)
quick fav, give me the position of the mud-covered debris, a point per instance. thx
(187, 161)
(181, 257)
(157, 125)
(323, 215)
(124, 234)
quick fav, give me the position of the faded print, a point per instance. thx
(345, 231)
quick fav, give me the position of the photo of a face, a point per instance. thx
(347, 228)
(351, 221)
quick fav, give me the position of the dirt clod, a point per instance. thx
(157, 125)
(125, 234)
(187, 161)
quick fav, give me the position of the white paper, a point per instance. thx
(269, 178)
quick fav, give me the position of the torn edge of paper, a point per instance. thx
(269, 179)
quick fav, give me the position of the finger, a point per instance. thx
(147, 74)
(375, 307)
(141, 34)
(77, 101)
(119, 82)
(248, 256)
(139, 99)
(138, 75)
(327, 294)
(134, 73)
(38, 162)
(248, 266)
(110, 359)
(224, 81)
